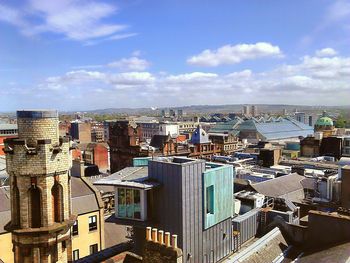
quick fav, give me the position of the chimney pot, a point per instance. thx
(148, 233)
(161, 237)
(167, 239)
(174, 241)
(154, 234)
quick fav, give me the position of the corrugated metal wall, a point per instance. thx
(217, 241)
(179, 209)
(167, 206)
(247, 225)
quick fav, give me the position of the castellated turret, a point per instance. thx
(38, 163)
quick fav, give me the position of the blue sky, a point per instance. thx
(80, 55)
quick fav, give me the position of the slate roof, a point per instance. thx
(199, 136)
(339, 253)
(134, 177)
(83, 197)
(225, 127)
(287, 186)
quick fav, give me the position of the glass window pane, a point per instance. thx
(137, 204)
(129, 203)
(121, 202)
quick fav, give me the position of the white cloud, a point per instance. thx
(130, 64)
(314, 80)
(191, 77)
(77, 20)
(326, 52)
(230, 54)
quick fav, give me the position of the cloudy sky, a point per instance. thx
(90, 54)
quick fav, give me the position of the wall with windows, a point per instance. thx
(218, 194)
(131, 203)
(88, 233)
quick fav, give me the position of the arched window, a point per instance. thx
(57, 202)
(16, 206)
(35, 206)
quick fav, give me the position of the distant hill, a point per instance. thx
(205, 109)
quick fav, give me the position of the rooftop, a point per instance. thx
(286, 186)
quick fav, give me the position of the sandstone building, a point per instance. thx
(42, 227)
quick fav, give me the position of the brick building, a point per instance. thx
(124, 143)
(98, 154)
(201, 146)
(81, 131)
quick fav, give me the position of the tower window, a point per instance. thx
(57, 202)
(16, 206)
(35, 200)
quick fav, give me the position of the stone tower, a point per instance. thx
(38, 163)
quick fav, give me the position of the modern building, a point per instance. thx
(255, 111)
(190, 198)
(346, 146)
(246, 110)
(171, 129)
(97, 132)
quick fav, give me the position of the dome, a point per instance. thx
(324, 121)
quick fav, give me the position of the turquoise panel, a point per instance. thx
(141, 161)
(219, 183)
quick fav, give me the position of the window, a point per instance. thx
(92, 223)
(129, 203)
(93, 249)
(57, 202)
(35, 199)
(75, 228)
(76, 254)
(210, 199)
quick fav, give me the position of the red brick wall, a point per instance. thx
(101, 157)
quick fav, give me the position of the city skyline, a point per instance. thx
(74, 55)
